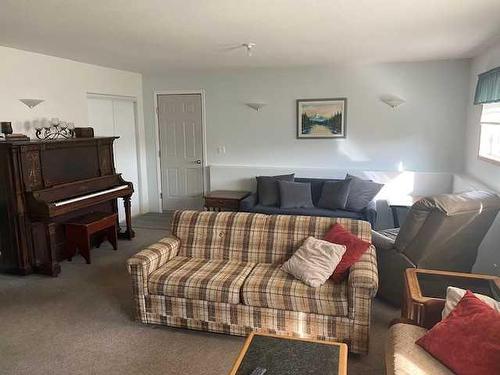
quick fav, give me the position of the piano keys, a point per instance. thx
(44, 184)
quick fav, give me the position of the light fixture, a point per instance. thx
(392, 100)
(256, 106)
(31, 103)
(249, 46)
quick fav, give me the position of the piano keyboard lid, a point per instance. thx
(87, 196)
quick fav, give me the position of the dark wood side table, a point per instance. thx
(400, 204)
(425, 292)
(80, 230)
(224, 200)
(281, 355)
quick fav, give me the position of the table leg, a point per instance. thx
(395, 216)
(129, 233)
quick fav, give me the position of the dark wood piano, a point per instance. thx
(45, 183)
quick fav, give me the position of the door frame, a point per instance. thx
(140, 178)
(156, 113)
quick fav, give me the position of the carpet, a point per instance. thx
(82, 323)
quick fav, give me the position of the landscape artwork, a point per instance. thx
(321, 118)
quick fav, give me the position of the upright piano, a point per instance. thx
(45, 183)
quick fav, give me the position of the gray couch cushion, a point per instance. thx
(316, 186)
(334, 194)
(295, 195)
(361, 192)
(268, 189)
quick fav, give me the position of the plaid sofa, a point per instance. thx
(220, 272)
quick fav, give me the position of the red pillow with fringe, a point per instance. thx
(355, 247)
(468, 340)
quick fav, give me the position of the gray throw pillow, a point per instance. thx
(334, 194)
(295, 195)
(268, 189)
(361, 193)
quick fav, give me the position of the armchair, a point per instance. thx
(442, 232)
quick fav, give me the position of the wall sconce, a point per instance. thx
(256, 106)
(392, 101)
(31, 103)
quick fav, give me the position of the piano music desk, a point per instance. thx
(79, 232)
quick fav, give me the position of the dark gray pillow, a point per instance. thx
(295, 195)
(361, 193)
(334, 194)
(268, 189)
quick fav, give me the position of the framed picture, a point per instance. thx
(321, 118)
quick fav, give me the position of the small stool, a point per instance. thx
(79, 231)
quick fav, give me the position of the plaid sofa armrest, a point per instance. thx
(364, 273)
(149, 259)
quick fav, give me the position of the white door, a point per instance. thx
(116, 117)
(181, 151)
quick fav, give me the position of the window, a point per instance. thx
(489, 143)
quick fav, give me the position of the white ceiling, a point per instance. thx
(156, 35)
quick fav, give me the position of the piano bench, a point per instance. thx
(79, 232)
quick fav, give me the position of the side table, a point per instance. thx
(425, 292)
(401, 204)
(224, 200)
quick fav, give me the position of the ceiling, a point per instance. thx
(157, 35)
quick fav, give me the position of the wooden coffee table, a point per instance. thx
(425, 292)
(282, 355)
(224, 200)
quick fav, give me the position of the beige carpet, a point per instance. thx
(81, 323)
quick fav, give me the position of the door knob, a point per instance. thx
(198, 161)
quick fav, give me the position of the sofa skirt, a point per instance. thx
(240, 320)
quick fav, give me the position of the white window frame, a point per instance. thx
(481, 123)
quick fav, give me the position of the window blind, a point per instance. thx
(488, 87)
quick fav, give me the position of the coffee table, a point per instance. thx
(282, 355)
(425, 292)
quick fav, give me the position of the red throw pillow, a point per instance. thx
(468, 340)
(355, 247)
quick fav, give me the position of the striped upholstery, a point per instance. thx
(201, 278)
(249, 237)
(268, 286)
(209, 280)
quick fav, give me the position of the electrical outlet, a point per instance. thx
(221, 149)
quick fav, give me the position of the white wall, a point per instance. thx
(64, 85)
(487, 173)
(425, 134)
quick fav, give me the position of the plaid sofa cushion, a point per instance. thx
(250, 237)
(269, 286)
(196, 278)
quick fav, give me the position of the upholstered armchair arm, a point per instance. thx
(361, 288)
(382, 242)
(370, 213)
(149, 259)
(248, 203)
(364, 274)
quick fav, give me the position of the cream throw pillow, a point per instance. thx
(314, 262)
(454, 295)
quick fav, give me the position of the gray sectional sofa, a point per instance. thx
(251, 204)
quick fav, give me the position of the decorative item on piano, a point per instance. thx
(84, 132)
(55, 129)
(6, 127)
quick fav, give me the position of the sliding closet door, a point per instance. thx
(111, 116)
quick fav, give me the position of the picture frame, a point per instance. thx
(321, 118)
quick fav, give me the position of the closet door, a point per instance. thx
(116, 117)
(126, 146)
